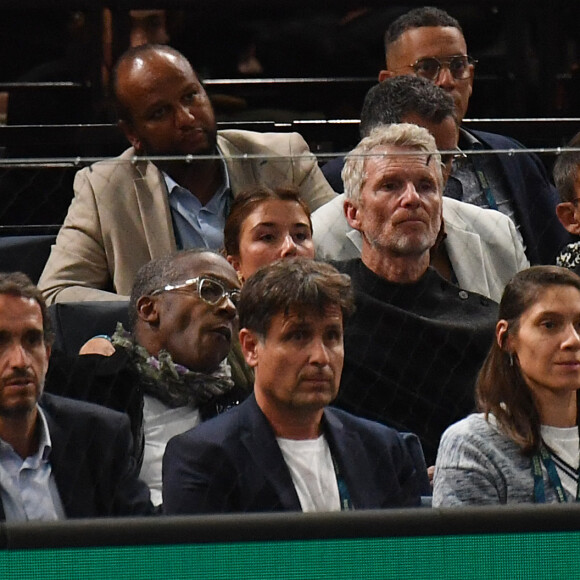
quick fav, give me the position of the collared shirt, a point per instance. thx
(478, 179)
(161, 423)
(197, 225)
(27, 486)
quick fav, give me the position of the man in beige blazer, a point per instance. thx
(129, 210)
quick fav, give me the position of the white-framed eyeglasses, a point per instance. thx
(210, 290)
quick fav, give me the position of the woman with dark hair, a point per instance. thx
(265, 225)
(523, 447)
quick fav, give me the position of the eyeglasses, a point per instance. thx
(209, 290)
(460, 66)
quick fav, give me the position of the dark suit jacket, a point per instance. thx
(91, 460)
(534, 197)
(233, 464)
(114, 382)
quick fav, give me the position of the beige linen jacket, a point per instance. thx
(120, 218)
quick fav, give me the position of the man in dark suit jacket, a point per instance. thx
(429, 43)
(282, 449)
(58, 458)
(177, 364)
(91, 460)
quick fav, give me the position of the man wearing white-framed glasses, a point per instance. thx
(176, 365)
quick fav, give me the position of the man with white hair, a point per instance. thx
(415, 343)
(480, 249)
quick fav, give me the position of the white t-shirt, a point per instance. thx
(160, 424)
(312, 471)
(564, 443)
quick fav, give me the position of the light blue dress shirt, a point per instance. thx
(27, 486)
(197, 225)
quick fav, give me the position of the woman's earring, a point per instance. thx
(511, 355)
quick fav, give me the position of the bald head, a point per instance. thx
(132, 61)
(162, 106)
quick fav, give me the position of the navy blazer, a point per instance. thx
(534, 197)
(91, 460)
(233, 464)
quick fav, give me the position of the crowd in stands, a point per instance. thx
(400, 324)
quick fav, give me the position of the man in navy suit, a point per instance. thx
(283, 449)
(58, 458)
(429, 43)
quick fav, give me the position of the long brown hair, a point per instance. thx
(501, 388)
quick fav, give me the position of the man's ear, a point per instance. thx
(566, 213)
(384, 75)
(130, 134)
(249, 343)
(351, 213)
(148, 309)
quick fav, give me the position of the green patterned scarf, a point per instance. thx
(172, 383)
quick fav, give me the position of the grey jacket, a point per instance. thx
(478, 465)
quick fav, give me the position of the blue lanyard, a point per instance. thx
(344, 494)
(483, 182)
(539, 492)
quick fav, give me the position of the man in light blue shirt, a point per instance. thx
(58, 458)
(171, 189)
(197, 225)
(27, 487)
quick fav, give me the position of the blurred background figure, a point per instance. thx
(148, 27)
(567, 179)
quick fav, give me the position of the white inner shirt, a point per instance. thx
(160, 424)
(312, 471)
(564, 442)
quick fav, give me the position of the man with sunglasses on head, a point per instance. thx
(171, 370)
(429, 43)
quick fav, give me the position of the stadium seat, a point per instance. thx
(27, 253)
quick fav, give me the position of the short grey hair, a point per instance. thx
(402, 135)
